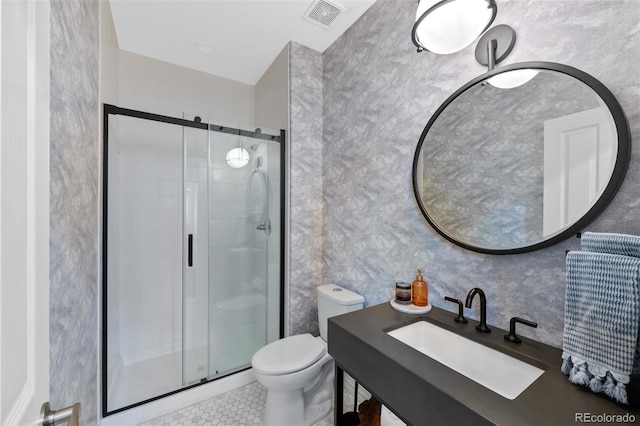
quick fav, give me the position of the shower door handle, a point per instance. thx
(190, 251)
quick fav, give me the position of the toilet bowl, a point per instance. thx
(297, 371)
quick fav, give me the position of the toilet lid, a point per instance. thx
(289, 355)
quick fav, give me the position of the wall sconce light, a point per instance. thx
(447, 26)
(238, 157)
(493, 47)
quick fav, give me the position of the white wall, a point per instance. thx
(272, 94)
(109, 57)
(272, 110)
(159, 87)
(109, 94)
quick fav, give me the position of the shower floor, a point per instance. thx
(146, 379)
(142, 380)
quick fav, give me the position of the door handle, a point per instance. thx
(190, 251)
(51, 417)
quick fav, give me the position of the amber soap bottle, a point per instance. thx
(419, 291)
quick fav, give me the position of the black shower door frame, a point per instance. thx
(112, 110)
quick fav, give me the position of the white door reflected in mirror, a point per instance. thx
(578, 162)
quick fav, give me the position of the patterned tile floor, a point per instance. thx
(239, 407)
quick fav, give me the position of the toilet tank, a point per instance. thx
(334, 300)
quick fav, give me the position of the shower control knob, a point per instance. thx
(266, 226)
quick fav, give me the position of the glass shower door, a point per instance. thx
(228, 236)
(192, 271)
(195, 243)
(237, 253)
(143, 260)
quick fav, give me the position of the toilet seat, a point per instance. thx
(289, 355)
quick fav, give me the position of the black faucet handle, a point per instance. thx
(512, 337)
(460, 318)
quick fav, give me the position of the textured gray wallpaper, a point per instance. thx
(74, 206)
(305, 187)
(378, 94)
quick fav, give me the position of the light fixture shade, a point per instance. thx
(447, 26)
(237, 157)
(511, 79)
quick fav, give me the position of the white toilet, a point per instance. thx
(297, 370)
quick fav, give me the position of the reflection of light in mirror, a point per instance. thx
(511, 79)
(237, 157)
(452, 26)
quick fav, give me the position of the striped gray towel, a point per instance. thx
(602, 313)
(626, 245)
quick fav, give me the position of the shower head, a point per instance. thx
(254, 147)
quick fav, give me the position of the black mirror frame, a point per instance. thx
(623, 156)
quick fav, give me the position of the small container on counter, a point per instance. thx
(420, 291)
(403, 293)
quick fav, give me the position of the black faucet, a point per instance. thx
(512, 337)
(483, 309)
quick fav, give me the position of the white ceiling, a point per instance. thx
(246, 36)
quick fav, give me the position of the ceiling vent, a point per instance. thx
(323, 12)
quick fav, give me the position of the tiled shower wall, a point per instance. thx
(74, 206)
(145, 230)
(378, 95)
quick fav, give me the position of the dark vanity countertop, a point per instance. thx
(423, 391)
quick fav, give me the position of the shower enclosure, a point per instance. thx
(192, 251)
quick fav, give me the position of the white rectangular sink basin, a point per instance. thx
(501, 373)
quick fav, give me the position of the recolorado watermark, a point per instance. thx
(604, 418)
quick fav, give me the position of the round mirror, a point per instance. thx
(520, 158)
